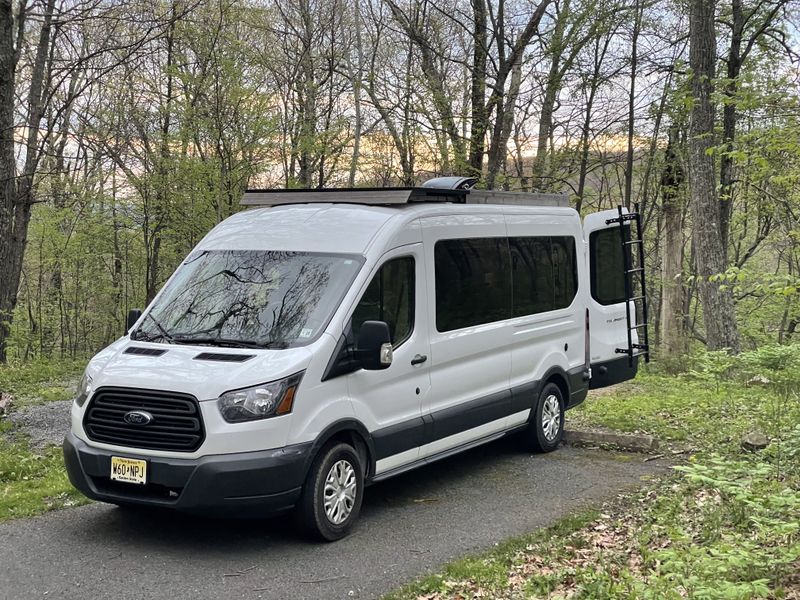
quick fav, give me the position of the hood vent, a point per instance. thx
(144, 351)
(238, 358)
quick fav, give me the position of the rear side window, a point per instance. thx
(473, 282)
(565, 271)
(544, 273)
(607, 266)
(389, 298)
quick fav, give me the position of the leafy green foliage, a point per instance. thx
(726, 525)
(41, 381)
(32, 483)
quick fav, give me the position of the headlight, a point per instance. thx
(259, 402)
(84, 389)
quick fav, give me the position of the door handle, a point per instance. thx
(419, 359)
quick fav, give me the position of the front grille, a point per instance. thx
(176, 425)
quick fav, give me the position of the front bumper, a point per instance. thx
(243, 484)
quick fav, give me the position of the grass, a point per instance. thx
(724, 525)
(41, 381)
(684, 409)
(33, 482)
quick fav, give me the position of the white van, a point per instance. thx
(339, 337)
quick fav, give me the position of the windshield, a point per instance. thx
(249, 298)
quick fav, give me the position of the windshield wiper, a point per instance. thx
(215, 341)
(163, 332)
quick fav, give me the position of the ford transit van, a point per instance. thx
(328, 339)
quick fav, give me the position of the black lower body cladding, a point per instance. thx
(246, 484)
(450, 421)
(611, 372)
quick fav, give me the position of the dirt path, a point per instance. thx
(44, 424)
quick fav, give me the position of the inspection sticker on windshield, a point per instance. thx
(306, 332)
(128, 470)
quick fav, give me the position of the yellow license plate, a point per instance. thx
(128, 470)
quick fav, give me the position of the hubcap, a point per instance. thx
(551, 417)
(340, 492)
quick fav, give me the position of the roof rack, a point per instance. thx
(456, 190)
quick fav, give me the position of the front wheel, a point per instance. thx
(546, 427)
(332, 494)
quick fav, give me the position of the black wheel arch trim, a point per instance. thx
(572, 383)
(347, 425)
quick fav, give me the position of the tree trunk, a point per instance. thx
(308, 101)
(600, 51)
(673, 340)
(545, 126)
(480, 123)
(358, 78)
(637, 22)
(504, 122)
(163, 178)
(16, 192)
(729, 122)
(8, 168)
(552, 87)
(717, 303)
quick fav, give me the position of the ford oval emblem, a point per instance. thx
(138, 417)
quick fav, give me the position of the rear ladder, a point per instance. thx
(632, 295)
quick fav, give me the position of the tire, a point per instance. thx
(336, 468)
(546, 429)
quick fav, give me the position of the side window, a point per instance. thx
(473, 282)
(565, 271)
(532, 274)
(607, 267)
(544, 273)
(390, 298)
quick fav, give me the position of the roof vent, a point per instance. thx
(144, 351)
(219, 356)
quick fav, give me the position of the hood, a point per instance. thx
(179, 369)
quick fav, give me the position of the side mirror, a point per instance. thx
(133, 316)
(374, 346)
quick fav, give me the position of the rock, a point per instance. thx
(755, 441)
(759, 380)
(5, 403)
(624, 441)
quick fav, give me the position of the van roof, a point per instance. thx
(338, 228)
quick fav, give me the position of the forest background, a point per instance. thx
(129, 129)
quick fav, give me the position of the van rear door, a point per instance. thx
(608, 326)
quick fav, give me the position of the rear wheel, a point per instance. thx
(546, 427)
(333, 492)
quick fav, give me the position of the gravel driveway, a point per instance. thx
(410, 525)
(44, 424)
